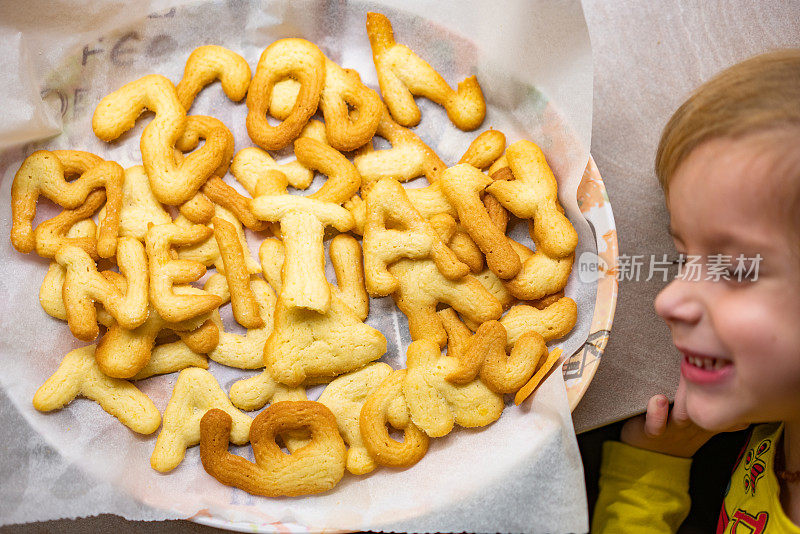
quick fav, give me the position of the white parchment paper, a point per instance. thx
(523, 473)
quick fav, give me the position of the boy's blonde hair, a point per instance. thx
(757, 95)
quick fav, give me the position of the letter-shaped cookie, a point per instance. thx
(351, 109)
(306, 344)
(123, 353)
(485, 149)
(45, 173)
(211, 62)
(207, 252)
(250, 164)
(342, 91)
(51, 294)
(244, 352)
(428, 201)
(345, 397)
(422, 287)
(435, 403)
(541, 274)
(78, 375)
(199, 208)
(408, 158)
(255, 392)
(83, 285)
(171, 183)
(314, 468)
(171, 358)
(295, 58)
(243, 302)
(140, 207)
(303, 221)
(484, 353)
(166, 272)
(402, 74)
(222, 194)
(533, 194)
(463, 185)
(376, 413)
(52, 234)
(388, 205)
(196, 391)
(553, 322)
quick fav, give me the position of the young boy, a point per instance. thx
(729, 164)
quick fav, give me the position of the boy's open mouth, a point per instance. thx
(703, 369)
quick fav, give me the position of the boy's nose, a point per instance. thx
(677, 303)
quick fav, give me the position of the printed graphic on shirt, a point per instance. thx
(755, 466)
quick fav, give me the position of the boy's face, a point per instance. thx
(740, 340)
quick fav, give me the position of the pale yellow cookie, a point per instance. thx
(255, 392)
(408, 158)
(247, 351)
(303, 221)
(211, 62)
(166, 272)
(394, 230)
(171, 358)
(306, 344)
(345, 397)
(83, 285)
(78, 375)
(140, 207)
(533, 194)
(250, 164)
(437, 404)
(422, 287)
(485, 149)
(196, 391)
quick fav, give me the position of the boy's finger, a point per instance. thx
(657, 415)
(679, 413)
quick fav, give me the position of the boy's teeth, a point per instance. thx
(709, 364)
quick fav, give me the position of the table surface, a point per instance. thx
(647, 56)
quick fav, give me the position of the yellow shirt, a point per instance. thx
(646, 492)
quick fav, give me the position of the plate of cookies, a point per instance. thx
(309, 275)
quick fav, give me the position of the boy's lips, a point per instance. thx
(704, 369)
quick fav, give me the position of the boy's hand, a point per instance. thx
(665, 431)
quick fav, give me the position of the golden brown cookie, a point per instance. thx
(314, 468)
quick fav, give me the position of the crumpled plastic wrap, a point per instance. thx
(533, 60)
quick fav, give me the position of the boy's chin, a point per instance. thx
(715, 415)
